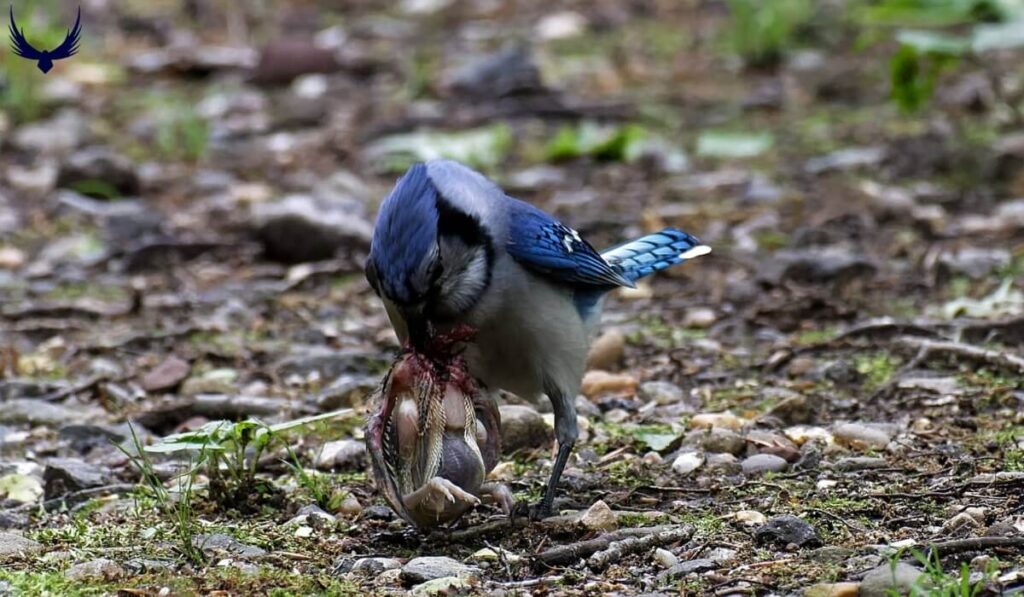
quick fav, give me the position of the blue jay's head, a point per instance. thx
(429, 260)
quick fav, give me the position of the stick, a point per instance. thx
(959, 545)
(571, 553)
(618, 549)
(1003, 360)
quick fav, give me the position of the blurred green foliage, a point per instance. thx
(762, 32)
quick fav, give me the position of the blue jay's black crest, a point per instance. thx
(45, 58)
(404, 237)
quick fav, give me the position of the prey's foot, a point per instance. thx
(500, 494)
(438, 500)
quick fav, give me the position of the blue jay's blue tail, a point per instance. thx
(653, 253)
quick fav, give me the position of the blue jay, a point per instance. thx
(451, 249)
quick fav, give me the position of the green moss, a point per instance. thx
(876, 367)
(704, 523)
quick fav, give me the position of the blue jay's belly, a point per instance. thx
(529, 337)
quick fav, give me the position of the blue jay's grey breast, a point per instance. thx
(529, 335)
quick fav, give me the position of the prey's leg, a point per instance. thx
(498, 493)
(438, 495)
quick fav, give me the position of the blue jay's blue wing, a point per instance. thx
(543, 244)
(653, 253)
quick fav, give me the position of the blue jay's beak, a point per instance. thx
(419, 327)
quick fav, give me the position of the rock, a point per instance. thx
(218, 544)
(722, 555)
(509, 71)
(426, 568)
(98, 569)
(836, 589)
(599, 517)
(688, 567)
(56, 136)
(597, 382)
(371, 567)
(523, 428)
(699, 317)
(282, 61)
(65, 475)
(723, 441)
(345, 391)
(787, 530)
(99, 172)
(195, 386)
(723, 462)
(665, 558)
(845, 159)
(342, 454)
(687, 462)
(883, 580)
(760, 464)
(661, 392)
(961, 524)
(561, 25)
(725, 420)
(350, 507)
(772, 442)
(860, 436)
(974, 262)
(11, 258)
(816, 266)
(860, 463)
(750, 517)
(607, 350)
(15, 546)
(37, 412)
(85, 437)
(448, 585)
(300, 228)
(1003, 528)
(166, 375)
(377, 512)
(794, 410)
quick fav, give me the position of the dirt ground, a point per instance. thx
(830, 403)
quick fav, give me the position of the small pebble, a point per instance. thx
(750, 517)
(725, 420)
(883, 580)
(607, 350)
(861, 437)
(759, 464)
(665, 558)
(837, 589)
(599, 517)
(597, 382)
(687, 462)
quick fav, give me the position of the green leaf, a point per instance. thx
(1001, 36)
(657, 441)
(484, 147)
(725, 144)
(20, 488)
(337, 414)
(934, 42)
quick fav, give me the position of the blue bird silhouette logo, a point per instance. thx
(68, 48)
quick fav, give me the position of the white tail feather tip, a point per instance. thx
(696, 252)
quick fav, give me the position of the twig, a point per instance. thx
(75, 497)
(570, 553)
(837, 518)
(1003, 360)
(618, 549)
(502, 524)
(531, 582)
(959, 545)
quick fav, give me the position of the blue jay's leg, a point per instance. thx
(566, 432)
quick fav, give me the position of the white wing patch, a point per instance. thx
(567, 241)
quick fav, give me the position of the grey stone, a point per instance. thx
(371, 567)
(377, 512)
(83, 169)
(98, 569)
(862, 435)
(16, 546)
(688, 567)
(219, 543)
(522, 428)
(860, 463)
(342, 454)
(65, 475)
(301, 228)
(845, 159)
(758, 464)
(787, 530)
(426, 568)
(508, 71)
(37, 412)
(881, 581)
(974, 262)
(817, 265)
(347, 390)
(661, 392)
(168, 374)
(84, 437)
(723, 440)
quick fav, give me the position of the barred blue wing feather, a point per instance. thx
(653, 253)
(543, 244)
